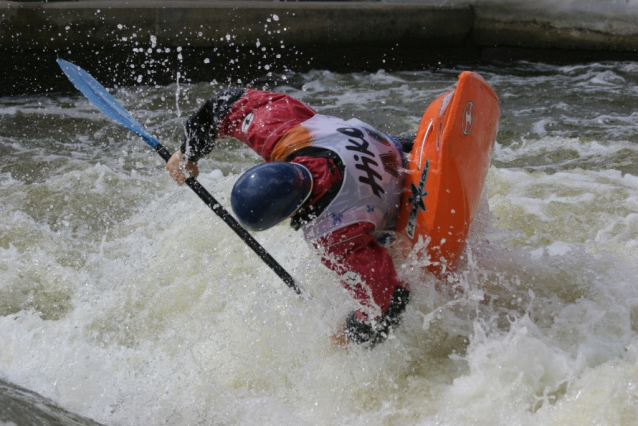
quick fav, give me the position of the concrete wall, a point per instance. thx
(105, 24)
(603, 25)
(149, 42)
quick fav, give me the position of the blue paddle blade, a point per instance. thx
(97, 94)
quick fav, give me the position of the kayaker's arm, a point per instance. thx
(367, 272)
(200, 133)
(231, 113)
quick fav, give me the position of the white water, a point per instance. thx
(124, 299)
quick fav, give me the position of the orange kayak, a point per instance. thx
(447, 170)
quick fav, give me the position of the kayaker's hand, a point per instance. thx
(338, 338)
(181, 169)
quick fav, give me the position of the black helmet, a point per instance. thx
(269, 193)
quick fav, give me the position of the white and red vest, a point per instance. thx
(372, 181)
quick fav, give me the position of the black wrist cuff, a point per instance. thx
(200, 130)
(189, 150)
(377, 331)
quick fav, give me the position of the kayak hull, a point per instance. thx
(446, 172)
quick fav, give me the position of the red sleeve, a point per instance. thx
(273, 115)
(353, 249)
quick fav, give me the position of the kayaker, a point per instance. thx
(339, 181)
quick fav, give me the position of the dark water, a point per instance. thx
(20, 406)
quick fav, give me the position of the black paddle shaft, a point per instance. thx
(220, 211)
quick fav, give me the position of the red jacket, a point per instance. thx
(260, 119)
(353, 247)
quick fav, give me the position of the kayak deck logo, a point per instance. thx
(416, 199)
(468, 118)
